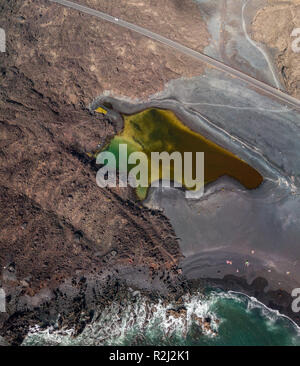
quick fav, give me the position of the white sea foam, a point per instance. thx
(135, 314)
(271, 315)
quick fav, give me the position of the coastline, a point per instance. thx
(72, 306)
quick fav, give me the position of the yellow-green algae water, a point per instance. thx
(158, 130)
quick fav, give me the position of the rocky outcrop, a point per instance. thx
(273, 26)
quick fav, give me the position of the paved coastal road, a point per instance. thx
(278, 94)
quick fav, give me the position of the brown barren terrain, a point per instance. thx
(273, 26)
